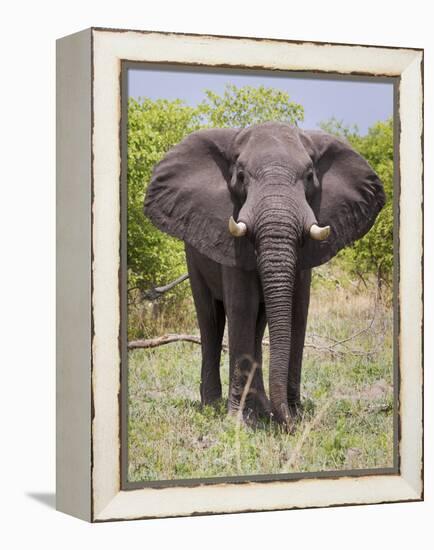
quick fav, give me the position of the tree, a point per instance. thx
(153, 128)
(241, 107)
(374, 252)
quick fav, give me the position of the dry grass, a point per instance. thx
(348, 399)
(147, 319)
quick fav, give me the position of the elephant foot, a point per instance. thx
(256, 407)
(260, 404)
(210, 400)
(296, 410)
(210, 396)
(263, 408)
(218, 404)
(294, 414)
(286, 418)
(249, 393)
(249, 418)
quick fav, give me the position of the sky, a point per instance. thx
(354, 102)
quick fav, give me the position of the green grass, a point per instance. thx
(348, 400)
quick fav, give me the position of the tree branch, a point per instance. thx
(156, 291)
(166, 339)
(162, 340)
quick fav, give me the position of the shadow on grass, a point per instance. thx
(219, 410)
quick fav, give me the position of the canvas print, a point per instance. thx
(259, 264)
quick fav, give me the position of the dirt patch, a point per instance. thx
(380, 390)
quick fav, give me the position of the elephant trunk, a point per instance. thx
(279, 228)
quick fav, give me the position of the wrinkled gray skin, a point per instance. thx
(279, 181)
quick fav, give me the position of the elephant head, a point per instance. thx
(269, 197)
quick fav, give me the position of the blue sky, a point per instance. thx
(354, 102)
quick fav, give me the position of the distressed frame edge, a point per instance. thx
(411, 491)
(253, 38)
(73, 293)
(411, 359)
(114, 511)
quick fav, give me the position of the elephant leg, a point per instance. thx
(263, 402)
(241, 295)
(300, 307)
(241, 362)
(211, 318)
(212, 327)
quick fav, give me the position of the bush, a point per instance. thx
(153, 128)
(373, 254)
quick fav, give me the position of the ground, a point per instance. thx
(347, 392)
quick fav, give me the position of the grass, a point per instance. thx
(347, 395)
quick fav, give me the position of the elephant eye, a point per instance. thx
(241, 177)
(309, 184)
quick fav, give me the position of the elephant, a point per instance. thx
(258, 208)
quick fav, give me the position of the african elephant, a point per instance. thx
(298, 197)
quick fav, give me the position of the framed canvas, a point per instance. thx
(149, 423)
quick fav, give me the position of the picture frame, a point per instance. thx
(90, 220)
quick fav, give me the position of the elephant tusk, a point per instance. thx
(319, 233)
(237, 229)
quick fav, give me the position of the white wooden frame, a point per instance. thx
(88, 314)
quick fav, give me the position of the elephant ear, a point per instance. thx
(188, 197)
(349, 197)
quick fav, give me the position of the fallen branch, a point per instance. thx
(157, 291)
(162, 340)
(170, 338)
(334, 351)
